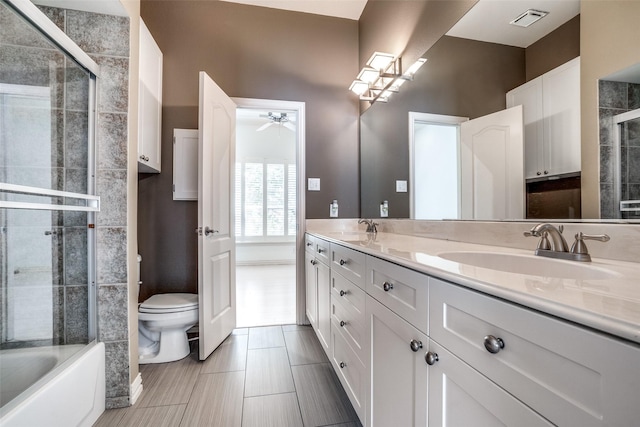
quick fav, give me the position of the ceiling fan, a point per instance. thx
(281, 119)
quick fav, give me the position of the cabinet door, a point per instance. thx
(185, 164)
(561, 105)
(461, 396)
(311, 289)
(529, 95)
(397, 392)
(324, 306)
(150, 103)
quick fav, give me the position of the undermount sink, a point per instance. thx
(530, 265)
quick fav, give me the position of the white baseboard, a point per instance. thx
(135, 389)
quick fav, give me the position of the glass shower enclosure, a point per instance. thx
(47, 197)
(627, 164)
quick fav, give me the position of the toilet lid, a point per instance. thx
(169, 303)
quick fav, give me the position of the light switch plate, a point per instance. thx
(401, 186)
(314, 184)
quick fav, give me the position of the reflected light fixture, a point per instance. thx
(382, 77)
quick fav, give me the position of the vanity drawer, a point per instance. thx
(350, 325)
(309, 243)
(568, 374)
(323, 251)
(350, 263)
(348, 294)
(351, 372)
(403, 291)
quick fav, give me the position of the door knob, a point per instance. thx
(208, 231)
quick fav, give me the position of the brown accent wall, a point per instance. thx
(461, 78)
(406, 28)
(250, 52)
(553, 50)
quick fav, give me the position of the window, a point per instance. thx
(265, 200)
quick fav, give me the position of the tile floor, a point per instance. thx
(275, 376)
(265, 295)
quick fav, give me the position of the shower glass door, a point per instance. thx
(628, 164)
(47, 206)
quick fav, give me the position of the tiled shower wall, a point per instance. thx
(616, 98)
(106, 39)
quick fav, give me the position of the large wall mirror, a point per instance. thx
(468, 74)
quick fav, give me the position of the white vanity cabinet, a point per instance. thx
(348, 323)
(551, 105)
(413, 350)
(149, 103)
(318, 292)
(397, 371)
(568, 374)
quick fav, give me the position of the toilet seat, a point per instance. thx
(170, 303)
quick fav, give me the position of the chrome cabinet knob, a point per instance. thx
(342, 293)
(387, 286)
(538, 173)
(320, 250)
(546, 172)
(431, 358)
(342, 323)
(415, 345)
(493, 344)
(342, 365)
(342, 262)
(309, 244)
(313, 262)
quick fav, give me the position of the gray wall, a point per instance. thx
(250, 52)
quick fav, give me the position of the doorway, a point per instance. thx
(268, 218)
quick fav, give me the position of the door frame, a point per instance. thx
(299, 109)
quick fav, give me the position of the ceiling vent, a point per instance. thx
(529, 17)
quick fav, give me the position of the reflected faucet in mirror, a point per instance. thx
(372, 227)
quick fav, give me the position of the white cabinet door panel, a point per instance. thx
(398, 375)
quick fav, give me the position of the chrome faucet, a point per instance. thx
(559, 244)
(558, 247)
(371, 226)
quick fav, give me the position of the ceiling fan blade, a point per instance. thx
(264, 126)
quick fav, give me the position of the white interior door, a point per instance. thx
(216, 239)
(492, 166)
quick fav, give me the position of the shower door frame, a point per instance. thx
(59, 38)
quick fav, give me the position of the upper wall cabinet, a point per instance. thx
(551, 106)
(150, 103)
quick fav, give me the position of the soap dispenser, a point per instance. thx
(333, 209)
(384, 209)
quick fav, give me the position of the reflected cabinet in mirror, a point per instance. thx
(468, 78)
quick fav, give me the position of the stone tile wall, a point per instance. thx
(105, 39)
(616, 98)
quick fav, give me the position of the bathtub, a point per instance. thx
(53, 386)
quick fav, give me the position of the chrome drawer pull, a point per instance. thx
(320, 250)
(493, 344)
(387, 286)
(342, 365)
(342, 323)
(342, 262)
(309, 244)
(313, 262)
(342, 293)
(415, 345)
(431, 358)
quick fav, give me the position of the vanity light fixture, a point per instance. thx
(529, 17)
(382, 77)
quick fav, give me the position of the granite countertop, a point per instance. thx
(604, 295)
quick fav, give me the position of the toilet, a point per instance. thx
(163, 321)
